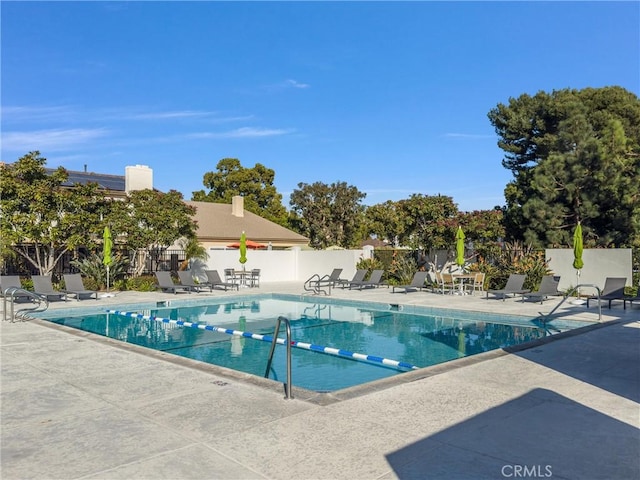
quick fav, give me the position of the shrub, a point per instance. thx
(515, 258)
(95, 272)
(371, 264)
(402, 269)
(144, 283)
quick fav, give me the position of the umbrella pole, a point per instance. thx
(107, 278)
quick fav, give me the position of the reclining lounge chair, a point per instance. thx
(74, 286)
(374, 281)
(548, 287)
(613, 290)
(186, 279)
(417, 283)
(358, 277)
(42, 286)
(513, 287)
(13, 282)
(165, 283)
(214, 281)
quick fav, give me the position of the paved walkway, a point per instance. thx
(75, 407)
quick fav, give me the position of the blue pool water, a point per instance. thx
(422, 338)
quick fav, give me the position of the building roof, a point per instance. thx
(114, 183)
(218, 223)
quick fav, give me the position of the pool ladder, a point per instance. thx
(288, 386)
(564, 299)
(12, 293)
(318, 285)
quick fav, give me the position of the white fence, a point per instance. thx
(599, 263)
(286, 265)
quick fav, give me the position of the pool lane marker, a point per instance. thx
(268, 338)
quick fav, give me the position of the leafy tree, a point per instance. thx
(384, 220)
(328, 214)
(254, 184)
(429, 221)
(193, 250)
(151, 221)
(41, 219)
(575, 155)
(485, 229)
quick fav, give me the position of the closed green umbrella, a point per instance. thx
(577, 248)
(577, 255)
(106, 251)
(243, 249)
(460, 247)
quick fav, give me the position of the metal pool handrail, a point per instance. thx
(315, 284)
(546, 317)
(287, 324)
(12, 291)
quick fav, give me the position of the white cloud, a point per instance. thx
(244, 132)
(54, 139)
(16, 114)
(169, 115)
(295, 84)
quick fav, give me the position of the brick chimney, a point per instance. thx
(237, 206)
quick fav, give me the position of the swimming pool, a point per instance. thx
(408, 338)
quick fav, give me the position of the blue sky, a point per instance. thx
(390, 97)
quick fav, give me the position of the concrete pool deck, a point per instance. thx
(74, 407)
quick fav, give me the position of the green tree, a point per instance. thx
(41, 219)
(193, 250)
(151, 221)
(328, 214)
(429, 221)
(485, 229)
(384, 220)
(574, 155)
(254, 184)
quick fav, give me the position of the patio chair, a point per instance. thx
(445, 282)
(374, 281)
(254, 278)
(513, 287)
(417, 283)
(478, 283)
(548, 287)
(358, 277)
(230, 276)
(13, 282)
(187, 280)
(165, 283)
(214, 281)
(74, 286)
(42, 286)
(613, 290)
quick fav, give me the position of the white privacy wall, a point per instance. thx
(599, 263)
(286, 265)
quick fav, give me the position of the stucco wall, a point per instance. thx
(599, 263)
(286, 265)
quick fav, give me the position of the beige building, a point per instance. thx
(221, 224)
